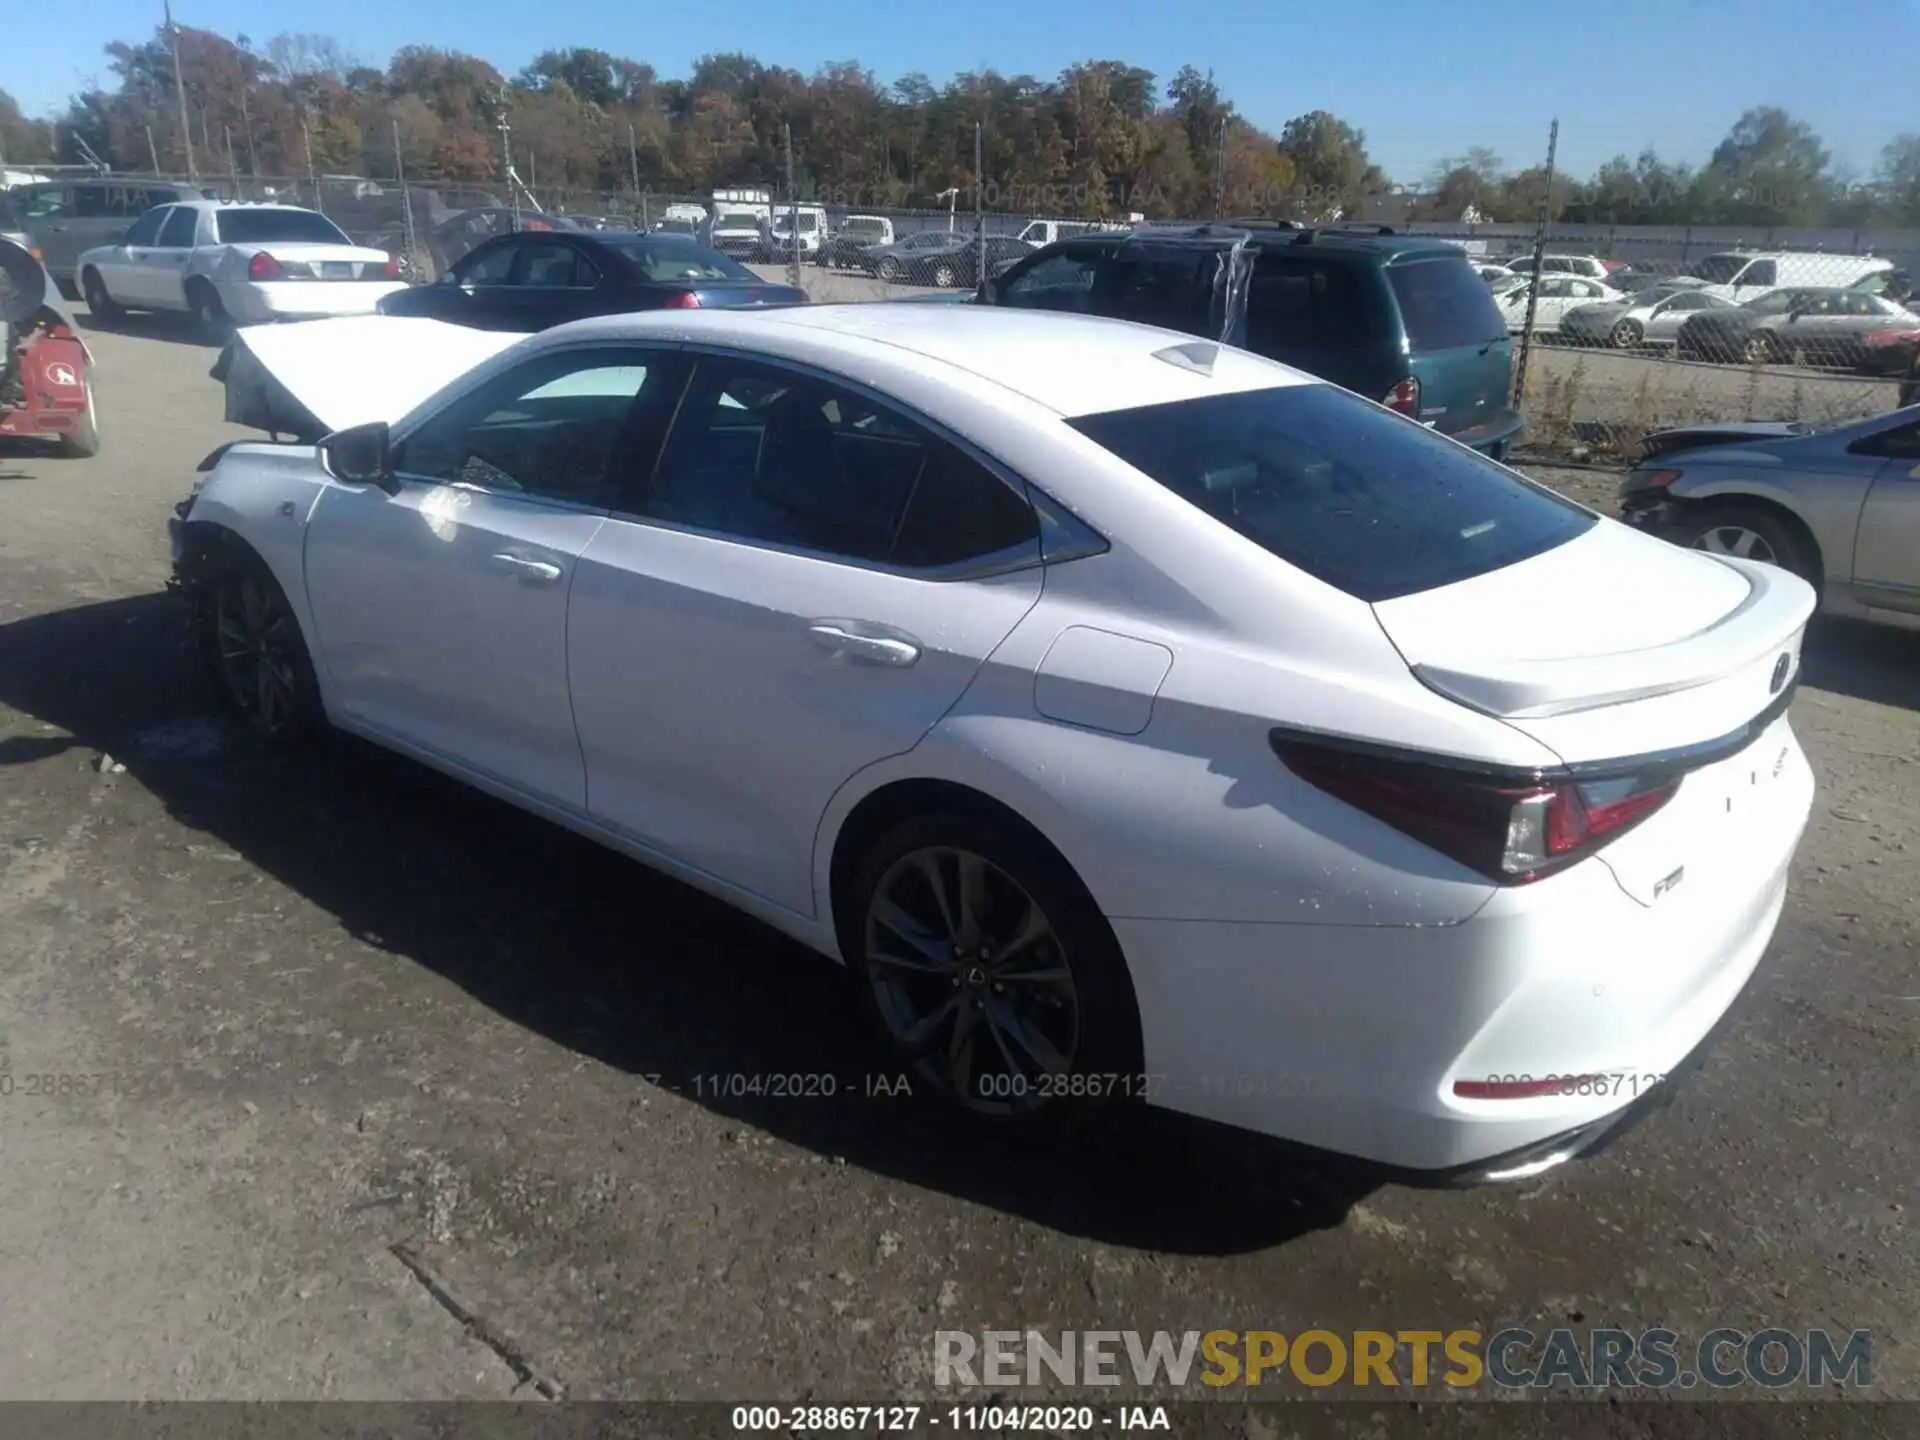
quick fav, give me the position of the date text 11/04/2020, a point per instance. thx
(993, 1419)
(828, 1085)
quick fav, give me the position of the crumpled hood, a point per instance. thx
(308, 379)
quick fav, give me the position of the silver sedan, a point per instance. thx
(1651, 317)
(1839, 506)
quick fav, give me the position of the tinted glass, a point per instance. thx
(547, 428)
(1308, 304)
(1761, 272)
(487, 267)
(961, 511)
(95, 201)
(665, 261)
(763, 455)
(1059, 282)
(42, 201)
(179, 230)
(1719, 269)
(255, 227)
(1171, 288)
(146, 230)
(1443, 305)
(1372, 503)
(554, 265)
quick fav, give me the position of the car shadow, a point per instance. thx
(616, 962)
(153, 325)
(1866, 662)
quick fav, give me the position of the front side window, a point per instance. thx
(546, 429)
(1760, 272)
(1719, 269)
(43, 202)
(1170, 288)
(767, 456)
(146, 230)
(1059, 282)
(1371, 503)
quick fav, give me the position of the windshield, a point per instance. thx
(736, 220)
(667, 259)
(252, 227)
(858, 226)
(1369, 502)
(1719, 269)
(1445, 305)
(1776, 303)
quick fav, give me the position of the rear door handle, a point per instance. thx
(844, 637)
(527, 569)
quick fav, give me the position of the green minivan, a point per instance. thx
(1400, 319)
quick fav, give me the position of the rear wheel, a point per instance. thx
(945, 276)
(208, 313)
(890, 270)
(990, 972)
(1749, 532)
(1627, 334)
(1762, 349)
(99, 303)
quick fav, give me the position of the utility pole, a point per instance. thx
(153, 151)
(1539, 250)
(406, 204)
(253, 155)
(313, 180)
(233, 169)
(979, 205)
(179, 90)
(633, 160)
(1220, 170)
(793, 214)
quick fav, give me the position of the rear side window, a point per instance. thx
(1371, 503)
(1301, 303)
(1444, 305)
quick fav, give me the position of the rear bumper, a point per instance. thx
(255, 303)
(1352, 1038)
(1494, 435)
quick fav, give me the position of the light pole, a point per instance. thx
(950, 196)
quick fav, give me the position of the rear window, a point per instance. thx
(1444, 305)
(254, 227)
(1371, 503)
(668, 260)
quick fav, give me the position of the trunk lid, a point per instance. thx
(1617, 647)
(742, 295)
(1613, 645)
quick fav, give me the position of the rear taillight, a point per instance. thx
(685, 300)
(1405, 398)
(264, 267)
(1654, 479)
(1511, 832)
(391, 270)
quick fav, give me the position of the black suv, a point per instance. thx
(1397, 318)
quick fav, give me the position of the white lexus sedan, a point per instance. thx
(236, 264)
(1139, 718)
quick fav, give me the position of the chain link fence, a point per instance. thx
(1633, 329)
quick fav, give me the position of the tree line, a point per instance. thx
(1102, 138)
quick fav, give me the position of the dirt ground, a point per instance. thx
(395, 1093)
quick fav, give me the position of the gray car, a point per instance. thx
(1839, 506)
(1652, 316)
(64, 217)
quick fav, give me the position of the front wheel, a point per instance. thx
(1627, 335)
(251, 644)
(944, 276)
(890, 270)
(990, 972)
(1762, 349)
(99, 303)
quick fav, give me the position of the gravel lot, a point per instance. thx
(362, 1031)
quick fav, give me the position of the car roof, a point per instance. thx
(1388, 244)
(1070, 364)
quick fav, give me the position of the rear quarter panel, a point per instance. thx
(1826, 499)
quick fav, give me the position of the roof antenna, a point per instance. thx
(1199, 356)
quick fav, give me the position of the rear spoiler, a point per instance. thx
(1778, 604)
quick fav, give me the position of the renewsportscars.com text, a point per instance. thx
(1514, 1358)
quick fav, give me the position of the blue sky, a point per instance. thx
(1423, 81)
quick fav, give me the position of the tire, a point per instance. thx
(1064, 995)
(274, 694)
(1627, 335)
(1752, 532)
(208, 313)
(99, 303)
(889, 270)
(1761, 349)
(945, 276)
(83, 442)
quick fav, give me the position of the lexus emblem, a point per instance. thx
(1780, 668)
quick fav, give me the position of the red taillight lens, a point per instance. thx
(1405, 398)
(1513, 833)
(686, 300)
(1655, 479)
(264, 267)
(391, 270)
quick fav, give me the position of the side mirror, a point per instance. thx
(360, 455)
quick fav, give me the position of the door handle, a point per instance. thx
(533, 572)
(893, 650)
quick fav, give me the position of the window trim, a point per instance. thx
(411, 425)
(1007, 561)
